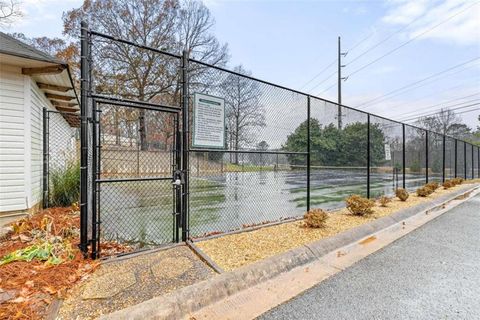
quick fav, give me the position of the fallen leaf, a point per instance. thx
(49, 290)
(18, 300)
(25, 238)
(25, 291)
(30, 283)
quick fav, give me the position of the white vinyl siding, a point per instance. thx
(38, 102)
(12, 139)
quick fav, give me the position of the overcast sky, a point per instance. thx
(290, 42)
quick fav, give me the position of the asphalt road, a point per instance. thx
(431, 273)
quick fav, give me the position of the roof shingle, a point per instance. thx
(10, 45)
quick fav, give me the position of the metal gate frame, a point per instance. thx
(90, 170)
(96, 171)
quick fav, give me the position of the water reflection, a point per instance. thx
(141, 212)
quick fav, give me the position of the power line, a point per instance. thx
(435, 113)
(360, 42)
(332, 63)
(426, 96)
(468, 111)
(417, 82)
(409, 41)
(324, 80)
(403, 91)
(440, 104)
(424, 114)
(382, 41)
(410, 121)
(319, 74)
(330, 87)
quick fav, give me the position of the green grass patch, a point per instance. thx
(65, 185)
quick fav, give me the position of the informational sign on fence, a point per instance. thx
(388, 154)
(208, 122)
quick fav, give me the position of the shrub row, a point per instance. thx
(452, 183)
(360, 206)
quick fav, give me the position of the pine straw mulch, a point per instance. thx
(28, 288)
(233, 251)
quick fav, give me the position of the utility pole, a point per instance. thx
(340, 66)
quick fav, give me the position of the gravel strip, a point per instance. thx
(236, 250)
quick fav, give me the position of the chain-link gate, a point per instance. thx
(135, 173)
(60, 158)
(133, 179)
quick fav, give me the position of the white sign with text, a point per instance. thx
(208, 122)
(388, 154)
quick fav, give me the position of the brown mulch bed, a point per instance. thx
(28, 288)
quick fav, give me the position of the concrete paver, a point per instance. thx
(128, 281)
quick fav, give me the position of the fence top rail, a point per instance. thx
(307, 95)
(141, 46)
(133, 103)
(247, 151)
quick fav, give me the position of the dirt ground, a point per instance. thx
(236, 250)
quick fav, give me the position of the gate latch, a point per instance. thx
(178, 178)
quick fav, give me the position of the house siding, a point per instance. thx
(38, 102)
(21, 140)
(13, 195)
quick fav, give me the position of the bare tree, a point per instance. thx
(244, 111)
(141, 74)
(446, 122)
(9, 11)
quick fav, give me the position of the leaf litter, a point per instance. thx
(40, 261)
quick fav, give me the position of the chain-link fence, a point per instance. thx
(61, 167)
(435, 157)
(283, 151)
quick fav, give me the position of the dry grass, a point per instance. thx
(236, 250)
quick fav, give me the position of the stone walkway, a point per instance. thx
(122, 283)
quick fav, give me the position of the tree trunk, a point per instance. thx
(116, 128)
(236, 140)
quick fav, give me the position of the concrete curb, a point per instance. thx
(187, 300)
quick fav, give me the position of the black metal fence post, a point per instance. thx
(456, 157)
(465, 160)
(368, 155)
(83, 138)
(94, 178)
(403, 155)
(478, 162)
(444, 151)
(185, 146)
(308, 153)
(178, 166)
(426, 156)
(98, 186)
(473, 164)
